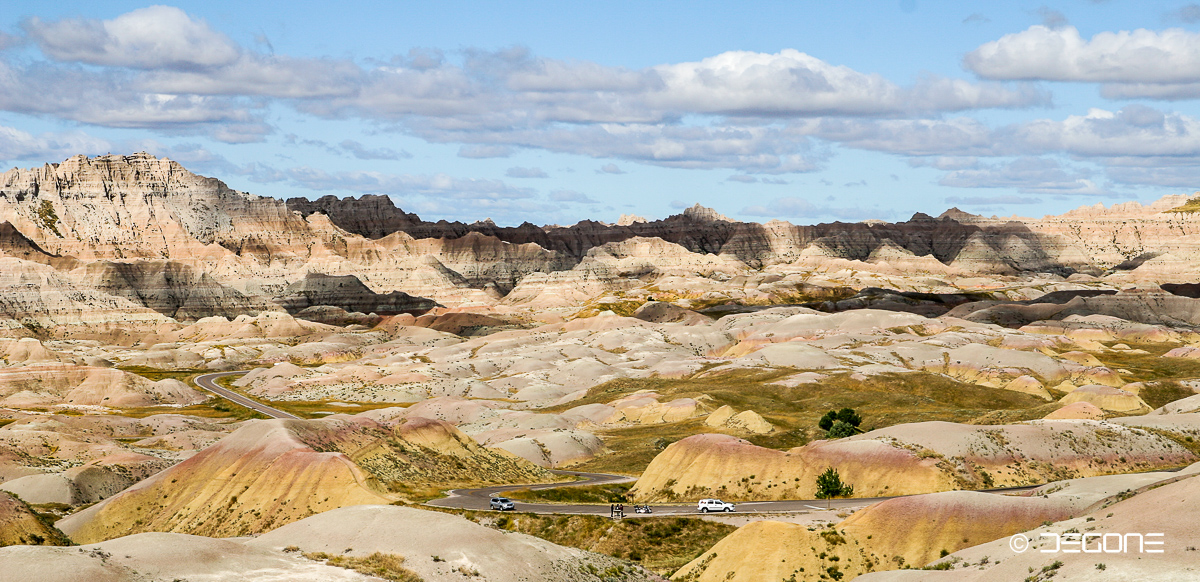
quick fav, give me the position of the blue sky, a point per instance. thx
(802, 111)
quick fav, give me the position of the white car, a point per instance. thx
(502, 504)
(707, 505)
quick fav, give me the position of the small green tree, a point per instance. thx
(829, 485)
(827, 421)
(848, 416)
(840, 423)
(840, 429)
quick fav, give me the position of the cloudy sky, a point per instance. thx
(803, 111)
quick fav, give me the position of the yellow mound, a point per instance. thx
(771, 550)
(19, 525)
(273, 472)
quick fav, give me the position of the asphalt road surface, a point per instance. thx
(209, 382)
(478, 499)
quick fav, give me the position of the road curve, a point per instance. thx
(478, 499)
(209, 382)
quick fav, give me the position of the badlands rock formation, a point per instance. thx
(695, 352)
(1167, 507)
(269, 473)
(915, 458)
(447, 547)
(20, 526)
(910, 532)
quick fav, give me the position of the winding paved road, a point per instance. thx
(209, 382)
(478, 498)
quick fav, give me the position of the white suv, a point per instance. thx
(502, 504)
(707, 505)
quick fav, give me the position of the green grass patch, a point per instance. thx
(156, 374)
(1158, 394)
(48, 217)
(882, 400)
(610, 493)
(660, 544)
(215, 409)
(1151, 366)
(1189, 207)
(311, 408)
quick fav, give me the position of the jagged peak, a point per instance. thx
(628, 219)
(705, 214)
(959, 215)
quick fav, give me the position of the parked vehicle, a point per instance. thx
(642, 509)
(502, 504)
(707, 505)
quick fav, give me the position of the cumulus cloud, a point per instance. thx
(794, 83)
(610, 169)
(16, 144)
(362, 152)
(1061, 54)
(1028, 175)
(571, 196)
(1135, 130)
(163, 69)
(147, 38)
(439, 185)
(912, 137)
(485, 151)
(108, 99)
(793, 207)
(519, 172)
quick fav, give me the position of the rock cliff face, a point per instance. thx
(348, 293)
(130, 238)
(968, 242)
(138, 206)
(172, 288)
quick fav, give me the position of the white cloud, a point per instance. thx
(1135, 130)
(485, 151)
(791, 83)
(362, 152)
(1030, 175)
(571, 196)
(156, 37)
(959, 136)
(1043, 53)
(519, 172)
(16, 144)
(439, 185)
(610, 169)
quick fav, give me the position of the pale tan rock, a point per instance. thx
(1107, 398)
(1082, 409)
(1028, 385)
(750, 421)
(719, 416)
